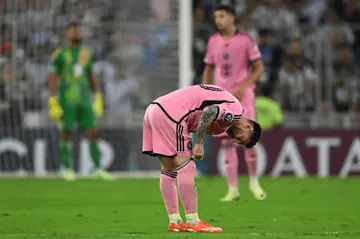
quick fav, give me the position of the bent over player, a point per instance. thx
(236, 59)
(71, 78)
(168, 121)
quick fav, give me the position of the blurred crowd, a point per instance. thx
(310, 48)
(129, 39)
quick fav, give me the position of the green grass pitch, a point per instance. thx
(133, 208)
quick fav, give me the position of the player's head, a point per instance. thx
(73, 33)
(245, 132)
(224, 17)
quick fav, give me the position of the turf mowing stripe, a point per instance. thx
(183, 233)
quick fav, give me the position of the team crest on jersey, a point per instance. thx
(228, 117)
(84, 57)
(189, 145)
(226, 56)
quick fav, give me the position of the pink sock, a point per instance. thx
(168, 191)
(231, 165)
(186, 186)
(251, 161)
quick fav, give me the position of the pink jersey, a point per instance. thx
(231, 58)
(187, 103)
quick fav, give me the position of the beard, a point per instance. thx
(76, 41)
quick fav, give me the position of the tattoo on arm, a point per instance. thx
(207, 116)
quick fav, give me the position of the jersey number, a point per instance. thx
(226, 69)
(212, 88)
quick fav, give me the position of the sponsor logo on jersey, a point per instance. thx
(228, 117)
(189, 145)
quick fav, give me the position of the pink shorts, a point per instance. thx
(162, 136)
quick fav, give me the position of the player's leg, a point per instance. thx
(172, 143)
(231, 169)
(186, 169)
(66, 126)
(65, 155)
(251, 160)
(169, 194)
(155, 143)
(87, 122)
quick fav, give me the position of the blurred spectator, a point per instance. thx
(336, 30)
(346, 86)
(127, 48)
(199, 50)
(161, 9)
(35, 72)
(201, 33)
(246, 23)
(352, 16)
(309, 11)
(271, 56)
(119, 88)
(274, 15)
(5, 40)
(297, 80)
(11, 89)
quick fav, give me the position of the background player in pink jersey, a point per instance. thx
(236, 59)
(167, 124)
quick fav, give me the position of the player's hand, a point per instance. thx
(98, 105)
(198, 152)
(54, 108)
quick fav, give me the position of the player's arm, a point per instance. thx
(257, 69)
(98, 104)
(94, 84)
(208, 74)
(207, 116)
(53, 72)
(257, 66)
(52, 82)
(54, 108)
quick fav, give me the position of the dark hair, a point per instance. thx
(227, 9)
(255, 137)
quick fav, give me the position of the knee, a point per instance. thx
(91, 134)
(186, 173)
(185, 180)
(250, 154)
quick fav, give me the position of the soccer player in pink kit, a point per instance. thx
(168, 121)
(236, 59)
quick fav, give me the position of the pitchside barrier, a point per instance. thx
(300, 153)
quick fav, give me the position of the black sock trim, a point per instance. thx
(169, 174)
(184, 164)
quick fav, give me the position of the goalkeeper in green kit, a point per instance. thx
(71, 82)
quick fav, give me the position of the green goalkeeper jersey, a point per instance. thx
(74, 67)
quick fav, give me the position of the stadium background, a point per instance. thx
(311, 71)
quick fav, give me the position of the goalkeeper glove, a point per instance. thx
(55, 111)
(98, 105)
